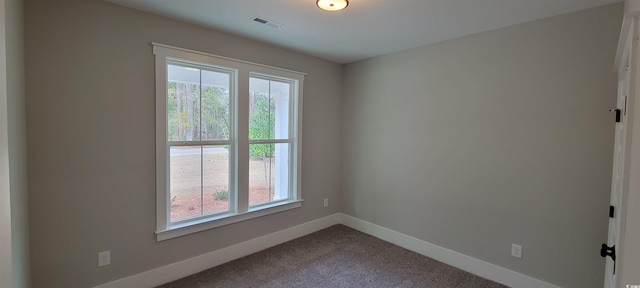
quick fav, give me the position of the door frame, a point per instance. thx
(6, 254)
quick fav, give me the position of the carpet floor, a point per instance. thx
(335, 257)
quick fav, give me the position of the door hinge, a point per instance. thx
(611, 211)
(611, 252)
(618, 114)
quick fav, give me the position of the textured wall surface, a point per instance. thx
(471, 144)
(497, 138)
(91, 130)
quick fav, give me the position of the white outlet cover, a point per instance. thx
(326, 202)
(104, 258)
(516, 251)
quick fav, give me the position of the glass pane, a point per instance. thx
(185, 194)
(268, 173)
(183, 103)
(215, 105)
(199, 181)
(268, 109)
(216, 179)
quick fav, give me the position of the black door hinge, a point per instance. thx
(611, 211)
(611, 252)
(618, 114)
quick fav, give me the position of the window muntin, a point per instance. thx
(205, 102)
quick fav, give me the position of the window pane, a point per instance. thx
(215, 105)
(216, 179)
(268, 173)
(199, 183)
(185, 185)
(183, 103)
(269, 109)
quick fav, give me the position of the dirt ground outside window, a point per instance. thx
(186, 198)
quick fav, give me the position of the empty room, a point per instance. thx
(330, 143)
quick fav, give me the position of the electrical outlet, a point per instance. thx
(516, 251)
(326, 202)
(104, 258)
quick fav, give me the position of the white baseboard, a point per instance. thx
(472, 265)
(200, 263)
(175, 271)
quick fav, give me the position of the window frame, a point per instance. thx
(239, 209)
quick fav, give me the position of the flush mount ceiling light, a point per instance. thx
(332, 5)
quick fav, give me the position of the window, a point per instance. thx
(227, 140)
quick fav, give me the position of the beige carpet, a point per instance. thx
(334, 257)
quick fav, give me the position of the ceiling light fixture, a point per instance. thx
(332, 5)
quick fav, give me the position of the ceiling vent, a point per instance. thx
(267, 22)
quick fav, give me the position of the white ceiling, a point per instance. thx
(366, 28)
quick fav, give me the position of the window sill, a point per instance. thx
(225, 219)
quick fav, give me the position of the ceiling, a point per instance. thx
(367, 28)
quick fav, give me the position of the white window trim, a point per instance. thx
(166, 230)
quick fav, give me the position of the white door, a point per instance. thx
(617, 180)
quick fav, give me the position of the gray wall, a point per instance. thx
(17, 141)
(497, 138)
(90, 103)
(472, 144)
